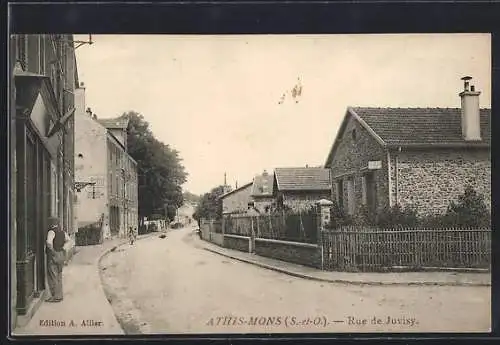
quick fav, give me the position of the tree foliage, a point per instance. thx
(191, 197)
(210, 205)
(159, 168)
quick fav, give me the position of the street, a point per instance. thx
(171, 285)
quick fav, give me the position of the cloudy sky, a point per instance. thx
(216, 99)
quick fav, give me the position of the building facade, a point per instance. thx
(105, 173)
(237, 200)
(262, 193)
(418, 157)
(299, 189)
(42, 82)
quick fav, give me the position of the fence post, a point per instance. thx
(323, 217)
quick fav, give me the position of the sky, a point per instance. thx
(216, 99)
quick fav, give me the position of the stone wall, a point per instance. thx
(352, 154)
(238, 200)
(217, 238)
(299, 253)
(205, 230)
(430, 180)
(241, 243)
(303, 201)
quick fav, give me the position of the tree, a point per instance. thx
(210, 205)
(190, 197)
(159, 168)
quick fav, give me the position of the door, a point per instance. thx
(371, 192)
(32, 224)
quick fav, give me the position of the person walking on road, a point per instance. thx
(131, 235)
(56, 257)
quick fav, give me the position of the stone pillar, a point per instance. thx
(323, 208)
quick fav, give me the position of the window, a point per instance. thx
(354, 134)
(351, 201)
(370, 191)
(340, 194)
(21, 48)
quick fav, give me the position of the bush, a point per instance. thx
(469, 211)
(396, 216)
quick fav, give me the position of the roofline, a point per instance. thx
(366, 126)
(350, 110)
(114, 126)
(440, 145)
(307, 189)
(237, 189)
(275, 178)
(116, 139)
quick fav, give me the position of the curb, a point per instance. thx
(343, 281)
(98, 265)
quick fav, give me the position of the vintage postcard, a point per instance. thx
(240, 184)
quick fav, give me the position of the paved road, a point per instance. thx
(171, 286)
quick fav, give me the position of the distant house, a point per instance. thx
(262, 192)
(105, 172)
(423, 157)
(300, 188)
(237, 200)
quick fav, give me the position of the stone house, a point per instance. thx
(301, 188)
(237, 200)
(43, 77)
(262, 192)
(106, 174)
(419, 157)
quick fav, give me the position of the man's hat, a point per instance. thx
(53, 223)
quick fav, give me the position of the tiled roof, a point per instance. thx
(114, 123)
(263, 185)
(426, 126)
(302, 179)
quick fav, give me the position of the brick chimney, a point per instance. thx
(471, 128)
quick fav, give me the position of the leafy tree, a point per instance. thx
(190, 197)
(210, 205)
(159, 168)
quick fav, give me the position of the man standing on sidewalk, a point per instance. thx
(56, 256)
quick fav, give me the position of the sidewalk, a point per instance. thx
(361, 278)
(85, 309)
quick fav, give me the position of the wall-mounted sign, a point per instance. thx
(373, 165)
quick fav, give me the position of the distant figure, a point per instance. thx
(131, 235)
(56, 257)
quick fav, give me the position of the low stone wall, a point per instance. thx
(237, 242)
(217, 238)
(300, 253)
(205, 231)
